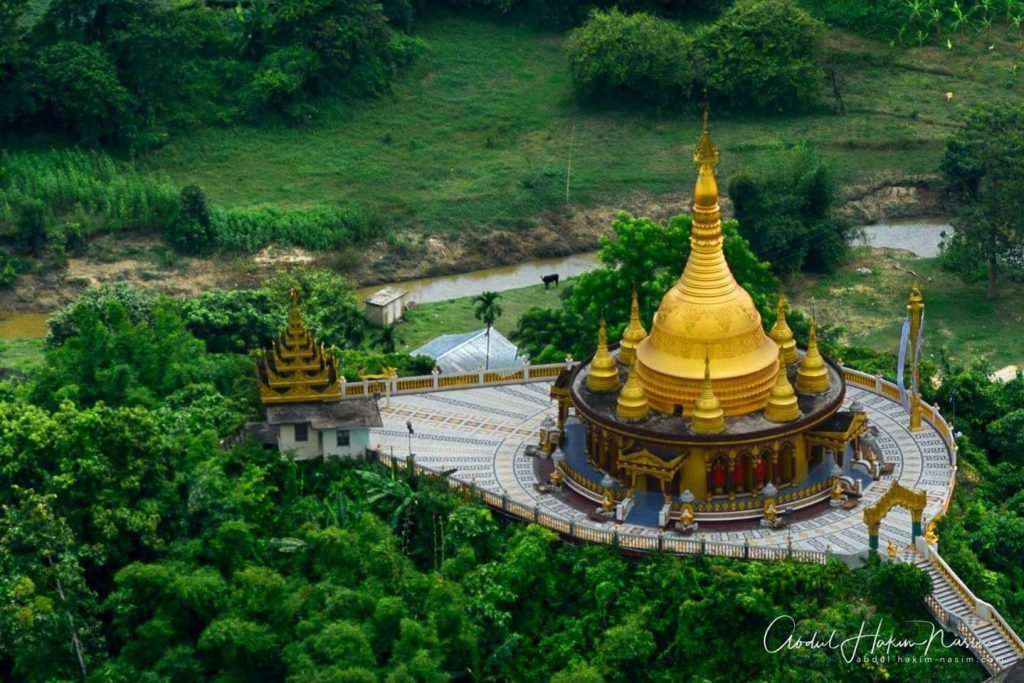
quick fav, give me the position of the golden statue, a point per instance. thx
(892, 550)
(607, 504)
(686, 516)
(837, 489)
(770, 511)
(929, 535)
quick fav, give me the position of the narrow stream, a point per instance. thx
(921, 237)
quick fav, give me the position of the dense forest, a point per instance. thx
(133, 547)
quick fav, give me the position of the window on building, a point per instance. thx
(302, 432)
(343, 437)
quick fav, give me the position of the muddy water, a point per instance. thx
(428, 289)
(19, 325)
(920, 237)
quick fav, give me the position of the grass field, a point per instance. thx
(21, 354)
(480, 134)
(957, 315)
(426, 321)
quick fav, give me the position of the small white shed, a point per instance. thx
(385, 306)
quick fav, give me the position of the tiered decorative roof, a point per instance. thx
(297, 369)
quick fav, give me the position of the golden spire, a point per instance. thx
(632, 404)
(811, 374)
(633, 335)
(604, 373)
(707, 311)
(781, 333)
(708, 416)
(297, 369)
(782, 403)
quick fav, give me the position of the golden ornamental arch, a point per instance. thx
(897, 495)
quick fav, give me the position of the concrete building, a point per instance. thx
(385, 307)
(339, 429)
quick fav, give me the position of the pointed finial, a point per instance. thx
(706, 154)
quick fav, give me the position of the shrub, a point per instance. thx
(191, 232)
(762, 55)
(86, 188)
(636, 56)
(319, 228)
(787, 213)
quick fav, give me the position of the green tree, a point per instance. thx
(486, 309)
(788, 214)
(630, 56)
(191, 232)
(388, 339)
(762, 55)
(984, 169)
(79, 89)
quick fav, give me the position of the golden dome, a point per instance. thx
(633, 335)
(782, 334)
(632, 403)
(603, 374)
(707, 312)
(811, 374)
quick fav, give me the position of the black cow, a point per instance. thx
(548, 279)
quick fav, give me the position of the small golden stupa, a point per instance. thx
(708, 416)
(782, 334)
(707, 311)
(604, 372)
(633, 335)
(632, 404)
(296, 369)
(782, 402)
(811, 374)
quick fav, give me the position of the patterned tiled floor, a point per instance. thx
(482, 434)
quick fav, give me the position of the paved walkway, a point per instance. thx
(483, 433)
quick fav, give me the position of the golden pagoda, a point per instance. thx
(632, 404)
(781, 334)
(782, 402)
(679, 431)
(604, 372)
(633, 335)
(707, 310)
(708, 416)
(811, 374)
(296, 369)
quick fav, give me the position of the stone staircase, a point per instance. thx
(956, 609)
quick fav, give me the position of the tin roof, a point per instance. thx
(385, 296)
(467, 352)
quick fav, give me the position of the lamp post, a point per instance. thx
(408, 425)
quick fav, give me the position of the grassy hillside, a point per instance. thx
(480, 135)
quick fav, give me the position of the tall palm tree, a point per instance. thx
(388, 339)
(487, 310)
